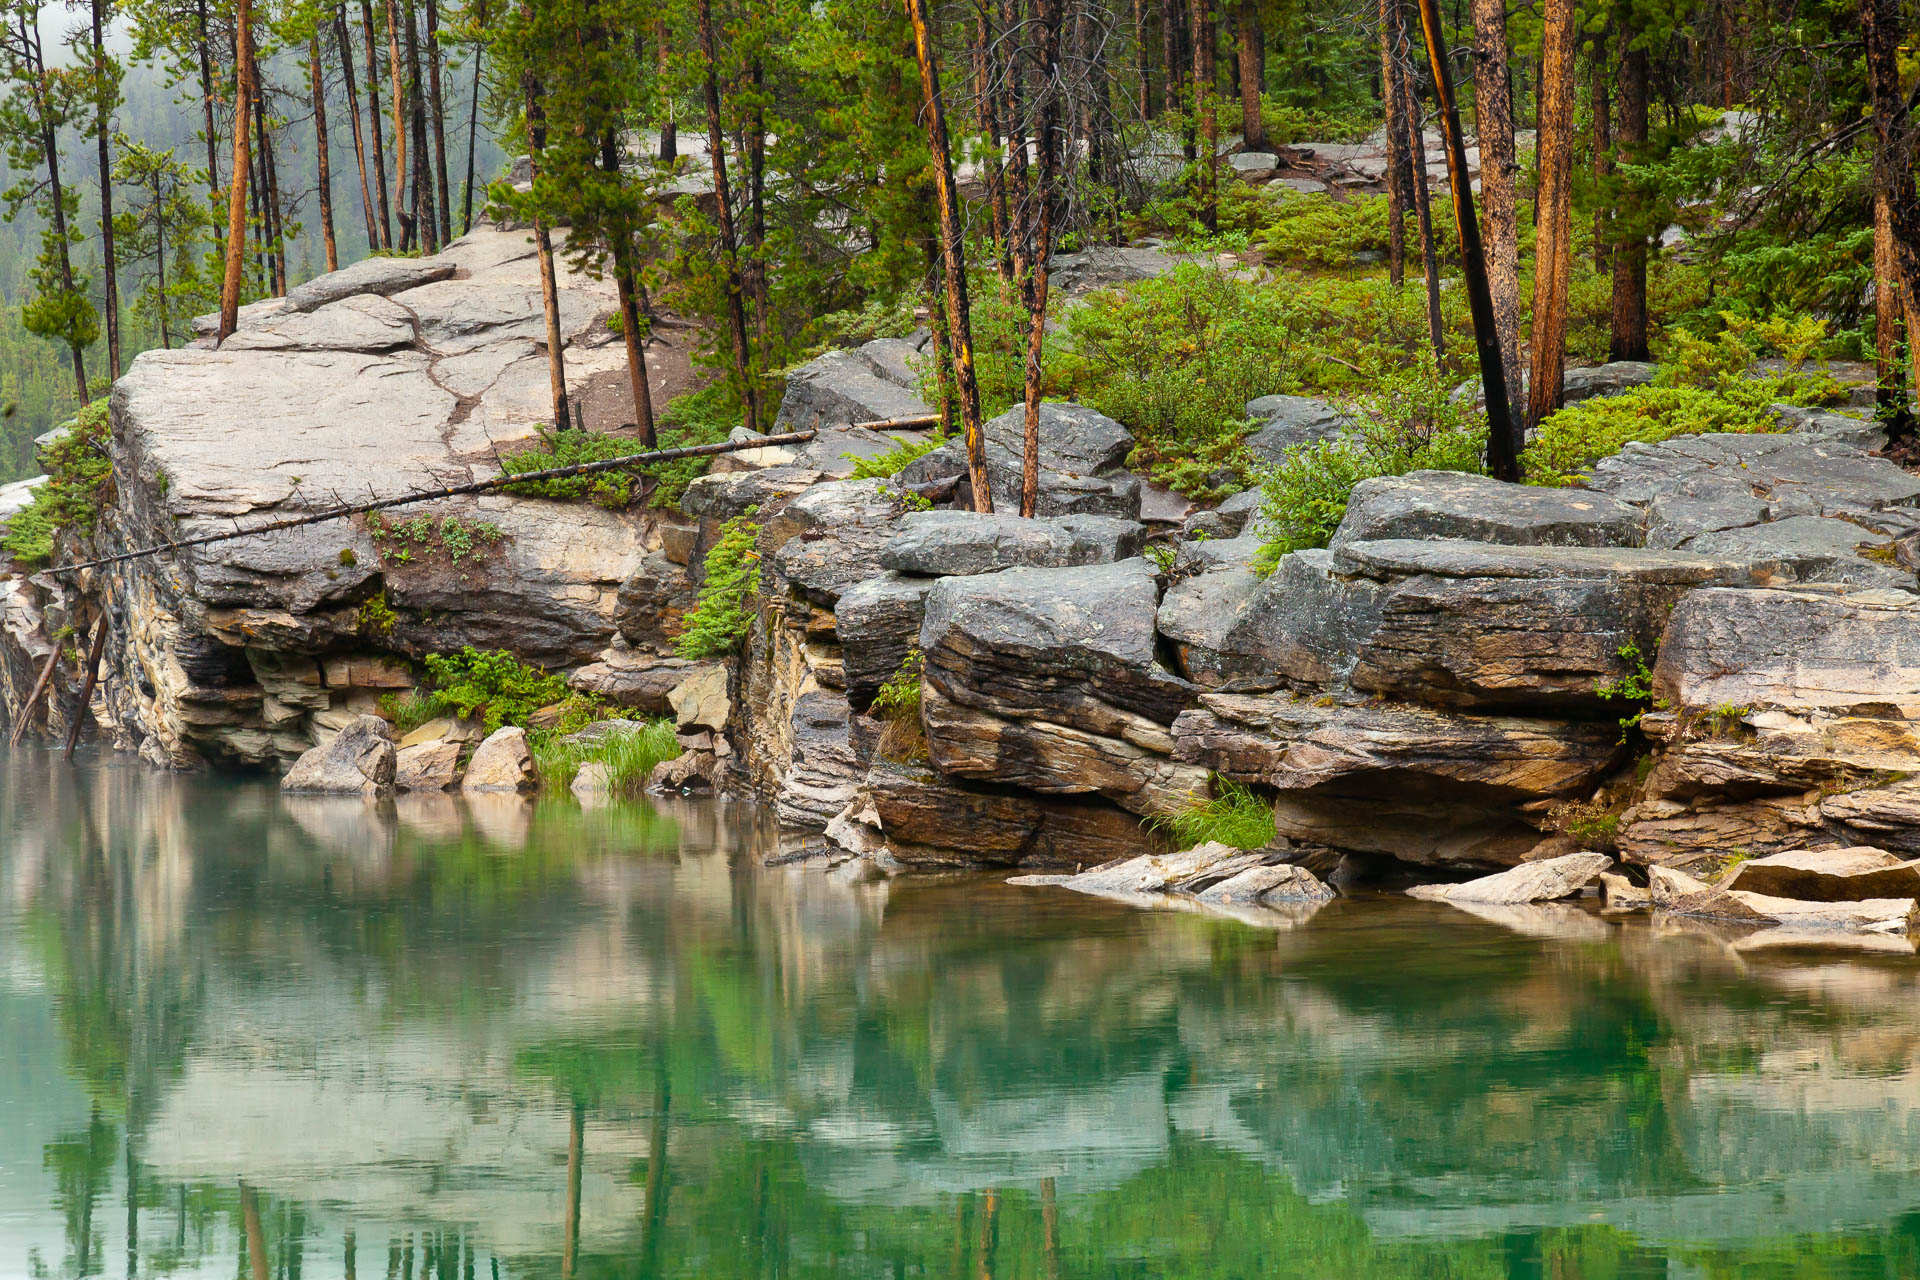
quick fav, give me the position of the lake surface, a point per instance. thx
(247, 1036)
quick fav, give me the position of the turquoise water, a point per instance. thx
(431, 1040)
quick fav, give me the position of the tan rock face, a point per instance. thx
(358, 760)
(700, 701)
(501, 763)
(427, 766)
(1829, 875)
(1543, 881)
(933, 821)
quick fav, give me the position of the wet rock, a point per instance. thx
(1678, 893)
(593, 780)
(701, 700)
(630, 679)
(829, 538)
(1810, 549)
(689, 771)
(821, 775)
(1422, 785)
(1545, 881)
(1621, 894)
(358, 760)
(1286, 422)
(382, 277)
(934, 821)
(877, 623)
(427, 766)
(724, 496)
(1871, 915)
(1269, 884)
(942, 543)
(501, 763)
(1082, 463)
(1449, 504)
(1829, 875)
(840, 388)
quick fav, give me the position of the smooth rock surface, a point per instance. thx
(1449, 504)
(1547, 880)
(701, 701)
(427, 766)
(942, 543)
(1829, 875)
(1269, 884)
(502, 762)
(1286, 422)
(358, 760)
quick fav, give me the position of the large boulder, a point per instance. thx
(1810, 548)
(1450, 504)
(1082, 463)
(829, 538)
(357, 761)
(427, 766)
(1302, 626)
(942, 543)
(1283, 423)
(1829, 875)
(877, 623)
(501, 763)
(1547, 880)
(841, 388)
(1423, 785)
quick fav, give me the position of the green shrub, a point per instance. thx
(613, 490)
(1233, 815)
(898, 704)
(493, 685)
(891, 462)
(1567, 444)
(1409, 423)
(78, 475)
(1318, 230)
(1287, 124)
(720, 619)
(707, 416)
(420, 537)
(629, 757)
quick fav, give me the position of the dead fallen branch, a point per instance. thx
(446, 491)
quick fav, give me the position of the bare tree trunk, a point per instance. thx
(473, 126)
(50, 149)
(1048, 156)
(986, 73)
(1889, 304)
(160, 272)
(670, 129)
(250, 1213)
(427, 224)
(270, 192)
(723, 200)
(952, 255)
(373, 116)
(1629, 338)
(1206, 104)
(102, 131)
(1173, 50)
(1493, 105)
(1392, 93)
(625, 280)
(203, 46)
(320, 150)
(439, 120)
(399, 124)
(756, 237)
(1143, 61)
(242, 166)
(1253, 126)
(1505, 439)
(353, 115)
(1416, 152)
(1553, 255)
(543, 251)
(1894, 190)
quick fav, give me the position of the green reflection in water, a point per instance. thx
(244, 1035)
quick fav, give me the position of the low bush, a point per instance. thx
(898, 705)
(613, 490)
(494, 685)
(890, 462)
(1566, 446)
(723, 614)
(1233, 815)
(79, 473)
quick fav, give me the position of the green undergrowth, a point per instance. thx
(79, 474)
(629, 756)
(891, 462)
(897, 705)
(420, 538)
(498, 689)
(723, 613)
(1233, 815)
(707, 416)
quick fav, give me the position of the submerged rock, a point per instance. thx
(358, 760)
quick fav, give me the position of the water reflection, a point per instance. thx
(241, 1035)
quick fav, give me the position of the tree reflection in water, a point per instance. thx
(535, 1040)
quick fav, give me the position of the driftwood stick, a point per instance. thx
(447, 491)
(94, 651)
(33, 698)
(916, 420)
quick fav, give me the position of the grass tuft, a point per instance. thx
(1234, 816)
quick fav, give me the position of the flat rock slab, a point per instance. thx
(1677, 893)
(942, 543)
(1871, 915)
(829, 537)
(1269, 884)
(1795, 474)
(1797, 651)
(1450, 504)
(1810, 549)
(731, 494)
(1454, 558)
(933, 821)
(840, 388)
(1829, 875)
(1548, 880)
(1151, 872)
(1302, 626)
(1287, 422)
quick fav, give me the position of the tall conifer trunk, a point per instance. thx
(242, 167)
(320, 150)
(1493, 105)
(102, 137)
(373, 116)
(1629, 339)
(723, 201)
(1553, 256)
(353, 115)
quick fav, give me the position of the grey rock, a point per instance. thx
(1794, 474)
(877, 622)
(1301, 627)
(1612, 379)
(1677, 893)
(1104, 266)
(352, 324)
(1869, 915)
(501, 763)
(1254, 161)
(1544, 881)
(427, 766)
(1862, 432)
(1073, 438)
(652, 605)
(941, 543)
(1285, 422)
(381, 276)
(722, 497)
(897, 360)
(840, 388)
(835, 451)
(1281, 883)
(1449, 504)
(1152, 872)
(829, 538)
(358, 760)
(1809, 549)
(1061, 491)
(1228, 520)
(1453, 558)
(18, 496)
(821, 775)
(641, 682)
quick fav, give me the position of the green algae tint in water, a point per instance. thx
(442, 1040)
